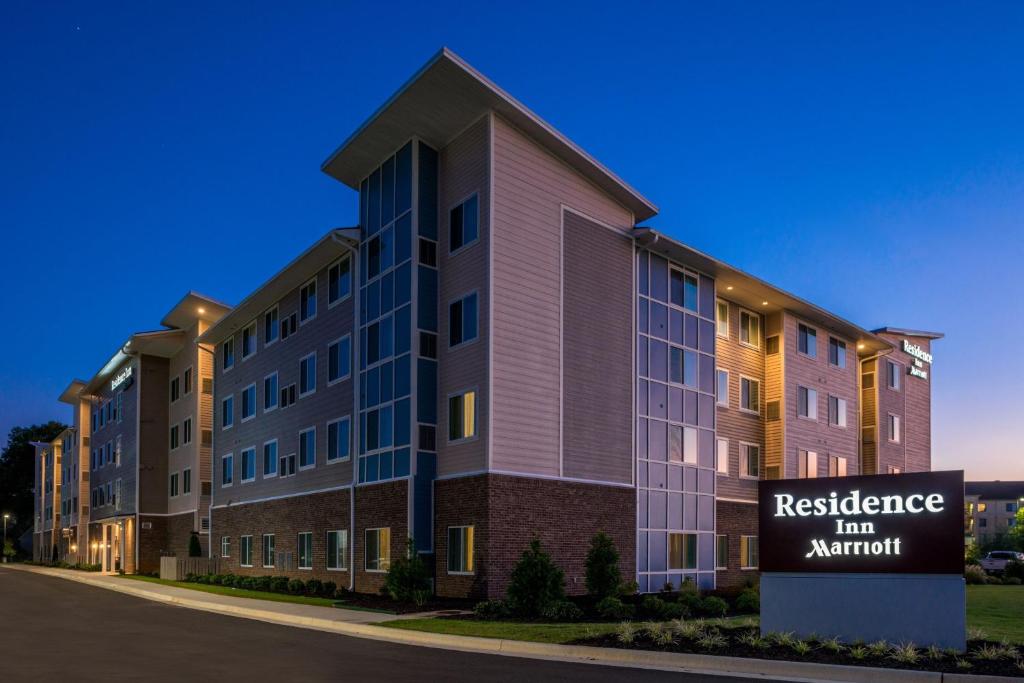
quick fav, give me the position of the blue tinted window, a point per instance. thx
(403, 179)
(387, 337)
(372, 430)
(373, 300)
(402, 422)
(373, 387)
(387, 191)
(386, 383)
(385, 465)
(371, 467)
(463, 224)
(386, 434)
(402, 462)
(403, 238)
(387, 293)
(403, 284)
(428, 292)
(402, 375)
(387, 249)
(426, 390)
(462, 320)
(373, 343)
(373, 211)
(402, 331)
(364, 202)
(428, 192)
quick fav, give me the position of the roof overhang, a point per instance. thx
(162, 343)
(756, 294)
(327, 249)
(71, 392)
(901, 332)
(437, 104)
(120, 357)
(192, 308)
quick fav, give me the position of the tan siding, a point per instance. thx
(597, 352)
(774, 371)
(530, 186)
(464, 170)
(869, 418)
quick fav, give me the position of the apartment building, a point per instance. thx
(990, 509)
(135, 470)
(46, 499)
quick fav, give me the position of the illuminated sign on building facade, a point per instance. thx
(121, 378)
(920, 358)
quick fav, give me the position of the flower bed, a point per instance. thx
(703, 637)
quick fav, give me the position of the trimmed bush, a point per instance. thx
(613, 609)
(296, 587)
(1011, 581)
(562, 610)
(535, 582)
(262, 583)
(653, 608)
(713, 606)
(279, 584)
(246, 582)
(328, 589)
(603, 576)
(628, 589)
(314, 587)
(691, 601)
(227, 580)
(408, 579)
(974, 574)
(194, 549)
(491, 609)
(1014, 570)
(748, 602)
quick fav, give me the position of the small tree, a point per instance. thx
(408, 578)
(1016, 533)
(9, 551)
(194, 548)
(603, 576)
(536, 582)
(54, 556)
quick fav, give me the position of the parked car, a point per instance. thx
(995, 561)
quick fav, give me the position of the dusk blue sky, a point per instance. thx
(868, 157)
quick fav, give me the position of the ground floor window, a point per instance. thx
(337, 549)
(721, 551)
(306, 550)
(268, 550)
(225, 546)
(245, 551)
(378, 549)
(748, 552)
(460, 550)
(682, 551)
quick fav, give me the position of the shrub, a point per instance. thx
(328, 589)
(262, 583)
(296, 587)
(314, 587)
(614, 609)
(246, 582)
(713, 606)
(626, 632)
(974, 574)
(603, 576)
(535, 582)
(1011, 581)
(748, 602)
(993, 580)
(194, 549)
(227, 580)
(675, 610)
(279, 584)
(652, 607)
(491, 609)
(408, 579)
(562, 610)
(1014, 570)
(631, 588)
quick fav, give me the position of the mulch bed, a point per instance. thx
(383, 603)
(735, 648)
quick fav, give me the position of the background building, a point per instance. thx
(990, 509)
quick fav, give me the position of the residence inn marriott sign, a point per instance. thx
(868, 557)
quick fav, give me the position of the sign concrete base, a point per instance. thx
(926, 609)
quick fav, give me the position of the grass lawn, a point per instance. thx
(996, 610)
(235, 592)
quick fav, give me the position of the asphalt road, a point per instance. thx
(51, 627)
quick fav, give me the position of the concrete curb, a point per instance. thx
(667, 661)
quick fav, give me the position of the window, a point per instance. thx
(722, 387)
(228, 353)
(682, 551)
(750, 329)
(268, 550)
(836, 411)
(187, 381)
(337, 550)
(174, 485)
(463, 224)
(307, 448)
(245, 551)
(339, 360)
(683, 290)
(807, 340)
(683, 366)
(1010, 507)
(174, 437)
(186, 432)
(981, 522)
(249, 403)
(722, 456)
(270, 458)
(750, 460)
(338, 439)
(307, 375)
(721, 551)
(750, 395)
(893, 470)
(748, 552)
(119, 408)
(462, 416)
(227, 470)
(892, 371)
(462, 320)
(289, 325)
(287, 463)
(460, 550)
(894, 428)
(806, 464)
(836, 352)
(339, 281)
(270, 326)
(175, 389)
(806, 403)
(982, 507)
(378, 550)
(270, 392)
(307, 301)
(722, 318)
(248, 465)
(305, 550)
(186, 481)
(249, 340)
(682, 444)
(227, 412)
(836, 466)
(225, 546)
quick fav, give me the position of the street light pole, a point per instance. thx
(3, 549)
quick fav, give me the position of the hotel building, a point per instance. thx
(498, 350)
(990, 509)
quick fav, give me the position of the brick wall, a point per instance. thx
(317, 513)
(735, 520)
(380, 505)
(152, 543)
